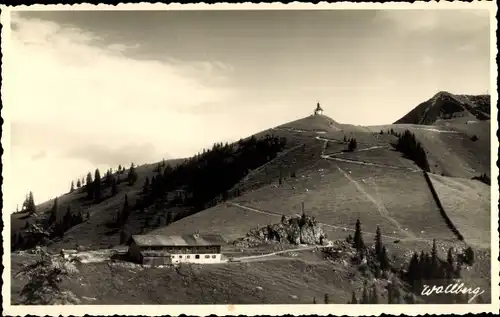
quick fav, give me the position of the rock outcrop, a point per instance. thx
(293, 230)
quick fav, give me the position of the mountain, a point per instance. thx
(447, 106)
(418, 180)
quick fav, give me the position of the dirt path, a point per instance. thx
(380, 206)
(271, 161)
(321, 223)
(328, 157)
(360, 150)
(435, 130)
(252, 257)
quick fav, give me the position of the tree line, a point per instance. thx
(408, 145)
(209, 175)
(405, 283)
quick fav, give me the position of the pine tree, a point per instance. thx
(78, 184)
(354, 300)
(365, 299)
(44, 278)
(358, 237)
(374, 295)
(352, 145)
(469, 256)
(433, 266)
(450, 264)
(29, 204)
(72, 189)
(123, 216)
(114, 188)
(390, 293)
(97, 185)
(145, 188)
(326, 300)
(314, 300)
(54, 212)
(88, 186)
(414, 272)
(378, 242)
(384, 259)
(132, 175)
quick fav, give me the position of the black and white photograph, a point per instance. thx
(301, 155)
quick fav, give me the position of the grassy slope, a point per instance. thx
(337, 193)
(93, 233)
(467, 203)
(234, 283)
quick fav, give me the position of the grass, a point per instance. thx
(336, 193)
(234, 283)
(467, 204)
(388, 198)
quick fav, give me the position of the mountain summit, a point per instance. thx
(447, 106)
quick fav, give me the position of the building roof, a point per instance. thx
(184, 240)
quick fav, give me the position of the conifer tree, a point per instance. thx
(54, 211)
(88, 186)
(29, 204)
(78, 183)
(469, 256)
(374, 295)
(365, 299)
(132, 175)
(354, 300)
(384, 259)
(97, 185)
(433, 266)
(390, 293)
(114, 188)
(358, 237)
(378, 242)
(72, 188)
(326, 300)
(450, 263)
(145, 188)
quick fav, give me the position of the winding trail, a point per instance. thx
(380, 206)
(323, 224)
(271, 161)
(328, 157)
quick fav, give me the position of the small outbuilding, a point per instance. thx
(161, 250)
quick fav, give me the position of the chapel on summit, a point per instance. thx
(318, 110)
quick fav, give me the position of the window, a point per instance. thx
(173, 256)
(207, 256)
(197, 256)
(213, 256)
(180, 256)
(188, 256)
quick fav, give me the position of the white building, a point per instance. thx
(318, 110)
(160, 250)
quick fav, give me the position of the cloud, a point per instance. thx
(454, 21)
(72, 81)
(39, 155)
(105, 155)
(78, 101)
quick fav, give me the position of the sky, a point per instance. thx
(94, 89)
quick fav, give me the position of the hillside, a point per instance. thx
(305, 166)
(446, 106)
